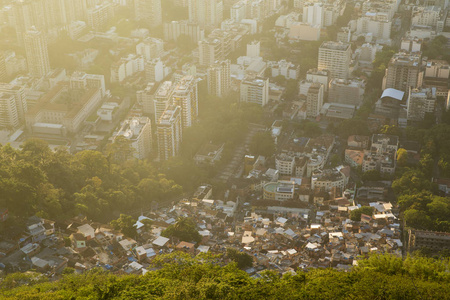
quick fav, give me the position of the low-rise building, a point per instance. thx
(209, 153)
(280, 191)
(328, 179)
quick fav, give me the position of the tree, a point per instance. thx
(120, 150)
(242, 259)
(335, 160)
(390, 130)
(412, 182)
(125, 224)
(372, 175)
(355, 215)
(402, 157)
(262, 144)
(185, 229)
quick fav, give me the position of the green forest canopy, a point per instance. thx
(178, 276)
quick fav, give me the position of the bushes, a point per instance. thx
(182, 277)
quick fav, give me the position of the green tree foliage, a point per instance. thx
(242, 259)
(263, 144)
(437, 48)
(185, 229)
(125, 224)
(402, 157)
(426, 211)
(58, 185)
(355, 215)
(178, 276)
(372, 175)
(380, 63)
(120, 150)
(352, 127)
(412, 182)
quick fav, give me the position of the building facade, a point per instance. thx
(336, 58)
(219, 78)
(37, 53)
(169, 133)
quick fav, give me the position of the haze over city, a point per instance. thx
(234, 149)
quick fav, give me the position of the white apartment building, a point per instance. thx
(162, 98)
(169, 133)
(148, 11)
(255, 90)
(99, 15)
(82, 81)
(346, 91)
(15, 108)
(185, 95)
(155, 70)
(420, 101)
(426, 16)
(174, 29)
(206, 12)
(254, 49)
(313, 14)
(145, 98)
(376, 24)
(37, 53)
(126, 67)
(8, 111)
(327, 180)
(219, 78)
(403, 71)
(314, 100)
(150, 48)
(336, 58)
(286, 69)
(320, 76)
(138, 130)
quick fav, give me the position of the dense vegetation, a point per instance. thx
(177, 276)
(420, 201)
(57, 185)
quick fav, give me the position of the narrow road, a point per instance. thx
(236, 162)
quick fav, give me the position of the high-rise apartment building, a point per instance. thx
(254, 49)
(169, 132)
(185, 95)
(174, 29)
(37, 53)
(219, 78)
(255, 90)
(210, 51)
(26, 14)
(99, 15)
(150, 48)
(20, 102)
(420, 102)
(145, 98)
(139, 132)
(313, 14)
(8, 111)
(336, 58)
(314, 100)
(83, 81)
(3, 74)
(154, 70)
(149, 11)
(162, 98)
(404, 71)
(206, 12)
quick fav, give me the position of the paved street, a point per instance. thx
(235, 164)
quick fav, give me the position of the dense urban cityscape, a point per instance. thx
(244, 149)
